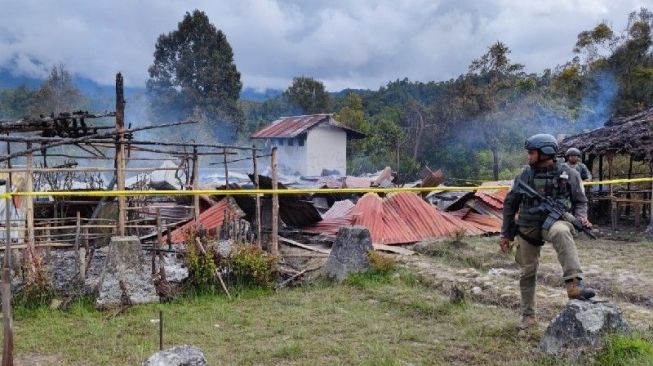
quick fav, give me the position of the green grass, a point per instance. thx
(392, 320)
(621, 350)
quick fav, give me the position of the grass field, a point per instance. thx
(392, 319)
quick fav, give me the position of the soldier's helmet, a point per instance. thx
(545, 143)
(572, 151)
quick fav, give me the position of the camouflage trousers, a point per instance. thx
(561, 236)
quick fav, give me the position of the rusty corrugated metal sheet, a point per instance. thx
(210, 219)
(406, 218)
(357, 182)
(339, 215)
(289, 127)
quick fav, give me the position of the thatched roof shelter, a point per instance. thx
(632, 135)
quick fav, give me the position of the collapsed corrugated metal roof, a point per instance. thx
(339, 215)
(294, 209)
(405, 218)
(290, 127)
(210, 220)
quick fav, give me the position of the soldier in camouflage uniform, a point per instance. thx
(553, 179)
(572, 156)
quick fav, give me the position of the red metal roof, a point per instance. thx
(289, 127)
(210, 219)
(406, 218)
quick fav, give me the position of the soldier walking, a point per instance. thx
(551, 179)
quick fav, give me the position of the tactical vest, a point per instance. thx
(552, 183)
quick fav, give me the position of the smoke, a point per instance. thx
(597, 104)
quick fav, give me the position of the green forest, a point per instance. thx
(472, 126)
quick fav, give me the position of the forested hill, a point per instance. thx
(472, 126)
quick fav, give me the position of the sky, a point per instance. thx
(343, 43)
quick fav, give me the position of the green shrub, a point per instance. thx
(626, 350)
(250, 266)
(201, 268)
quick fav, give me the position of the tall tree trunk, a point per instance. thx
(495, 162)
(418, 135)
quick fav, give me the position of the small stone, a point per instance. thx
(580, 326)
(177, 356)
(476, 290)
(55, 304)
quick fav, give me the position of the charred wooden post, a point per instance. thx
(8, 337)
(613, 209)
(630, 175)
(120, 154)
(258, 201)
(600, 172)
(195, 184)
(274, 244)
(78, 232)
(8, 343)
(159, 243)
(226, 169)
(29, 204)
(649, 229)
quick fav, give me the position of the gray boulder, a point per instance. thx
(177, 356)
(349, 252)
(580, 326)
(124, 279)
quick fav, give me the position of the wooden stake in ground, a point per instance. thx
(258, 202)
(274, 243)
(193, 180)
(226, 169)
(217, 271)
(120, 153)
(8, 344)
(29, 205)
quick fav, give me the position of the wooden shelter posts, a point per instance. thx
(630, 136)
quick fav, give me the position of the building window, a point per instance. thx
(291, 142)
(300, 141)
(280, 142)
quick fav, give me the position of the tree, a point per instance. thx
(495, 79)
(57, 94)
(194, 74)
(309, 94)
(15, 103)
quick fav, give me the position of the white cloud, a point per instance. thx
(362, 43)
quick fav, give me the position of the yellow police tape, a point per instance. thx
(243, 192)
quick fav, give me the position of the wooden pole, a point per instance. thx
(195, 184)
(8, 341)
(274, 247)
(630, 175)
(159, 243)
(78, 232)
(226, 169)
(120, 153)
(649, 229)
(8, 344)
(613, 211)
(29, 204)
(258, 202)
(601, 172)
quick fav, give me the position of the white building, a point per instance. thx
(309, 145)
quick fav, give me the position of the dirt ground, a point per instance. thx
(621, 271)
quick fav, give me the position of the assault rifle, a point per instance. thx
(555, 210)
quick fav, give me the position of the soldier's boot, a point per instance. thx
(527, 322)
(576, 290)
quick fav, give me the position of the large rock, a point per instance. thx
(349, 252)
(580, 327)
(124, 280)
(178, 356)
